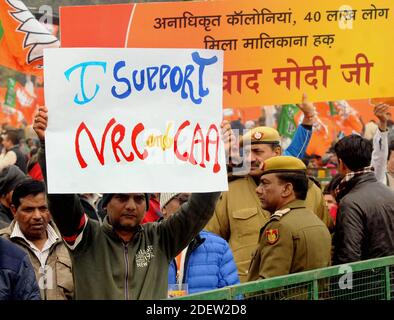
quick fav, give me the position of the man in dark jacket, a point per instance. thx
(17, 278)
(34, 232)
(365, 220)
(122, 259)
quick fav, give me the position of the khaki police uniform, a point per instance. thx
(238, 215)
(294, 239)
(260, 135)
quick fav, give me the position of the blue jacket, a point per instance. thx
(300, 142)
(209, 264)
(17, 278)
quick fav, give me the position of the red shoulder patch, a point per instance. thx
(272, 235)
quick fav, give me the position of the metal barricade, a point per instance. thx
(366, 280)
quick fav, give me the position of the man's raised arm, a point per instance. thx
(303, 134)
(380, 143)
(65, 209)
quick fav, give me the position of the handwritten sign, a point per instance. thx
(134, 120)
(274, 50)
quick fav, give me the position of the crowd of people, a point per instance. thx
(274, 220)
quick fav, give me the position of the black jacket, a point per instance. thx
(365, 221)
(17, 278)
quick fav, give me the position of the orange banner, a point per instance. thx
(274, 50)
(22, 38)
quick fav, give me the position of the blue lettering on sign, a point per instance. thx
(152, 72)
(164, 71)
(125, 94)
(83, 66)
(202, 62)
(139, 86)
(188, 72)
(176, 79)
(176, 84)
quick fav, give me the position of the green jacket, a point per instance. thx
(293, 240)
(239, 217)
(107, 268)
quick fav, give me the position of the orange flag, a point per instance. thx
(26, 103)
(350, 118)
(22, 38)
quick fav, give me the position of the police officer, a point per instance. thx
(238, 214)
(294, 239)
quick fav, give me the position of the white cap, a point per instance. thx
(165, 198)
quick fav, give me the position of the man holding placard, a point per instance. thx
(127, 120)
(122, 259)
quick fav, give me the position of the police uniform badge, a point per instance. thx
(257, 135)
(272, 235)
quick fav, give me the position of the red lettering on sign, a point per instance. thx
(117, 136)
(213, 128)
(197, 131)
(184, 156)
(136, 131)
(99, 154)
(120, 131)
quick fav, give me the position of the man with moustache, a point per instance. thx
(294, 239)
(122, 259)
(34, 232)
(238, 215)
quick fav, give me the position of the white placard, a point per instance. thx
(134, 120)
